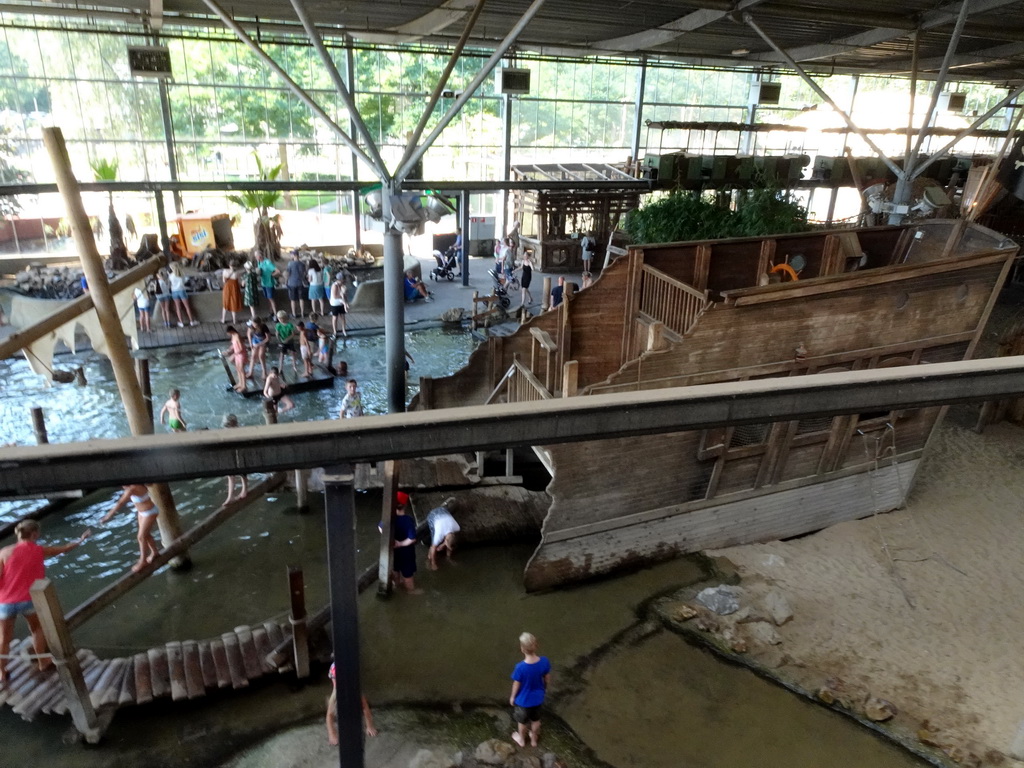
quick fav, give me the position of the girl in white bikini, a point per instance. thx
(146, 512)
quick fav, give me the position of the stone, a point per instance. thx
(833, 692)
(525, 761)
(763, 633)
(722, 599)
(494, 751)
(550, 760)
(681, 612)
(879, 710)
(777, 606)
(706, 624)
(432, 758)
(772, 561)
(453, 315)
(1016, 750)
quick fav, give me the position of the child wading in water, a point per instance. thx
(173, 410)
(332, 712)
(146, 512)
(530, 680)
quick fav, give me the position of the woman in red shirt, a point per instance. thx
(21, 565)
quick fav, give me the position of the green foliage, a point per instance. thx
(684, 215)
(104, 169)
(259, 200)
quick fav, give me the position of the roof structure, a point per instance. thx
(870, 36)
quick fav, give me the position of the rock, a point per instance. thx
(931, 736)
(681, 612)
(833, 692)
(453, 315)
(494, 751)
(706, 624)
(525, 761)
(1016, 750)
(432, 758)
(778, 607)
(879, 710)
(736, 643)
(722, 599)
(772, 561)
(763, 633)
(459, 758)
(550, 760)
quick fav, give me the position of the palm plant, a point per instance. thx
(106, 170)
(266, 229)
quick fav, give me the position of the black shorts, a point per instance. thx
(296, 293)
(526, 714)
(287, 346)
(338, 310)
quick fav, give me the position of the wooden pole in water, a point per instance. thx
(39, 426)
(142, 372)
(387, 521)
(139, 421)
(545, 300)
(69, 669)
(269, 411)
(300, 640)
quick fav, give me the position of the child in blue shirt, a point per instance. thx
(530, 680)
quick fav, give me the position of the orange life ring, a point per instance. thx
(786, 270)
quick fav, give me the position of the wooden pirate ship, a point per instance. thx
(703, 312)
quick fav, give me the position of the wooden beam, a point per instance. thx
(112, 592)
(58, 638)
(68, 311)
(385, 562)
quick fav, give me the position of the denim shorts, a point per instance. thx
(268, 291)
(10, 610)
(179, 295)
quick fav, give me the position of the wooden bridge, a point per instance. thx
(179, 670)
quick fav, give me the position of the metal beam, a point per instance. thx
(471, 89)
(247, 450)
(982, 56)
(343, 91)
(966, 132)
(442, 81)
(297, 89)
(673, 30)
(828, 99)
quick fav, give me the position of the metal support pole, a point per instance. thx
(506, 160)
(638, 110)
(394, 307)
(471, 89)
(465, 215)
(39, 426)
(301, 490)
(172, 157)
(350, 76)
(825, 97)
(161, 223)
(342, 577)
(295, 88)
(343, 90)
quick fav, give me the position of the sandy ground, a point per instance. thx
(937, 628)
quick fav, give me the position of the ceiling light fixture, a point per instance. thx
(741, 52)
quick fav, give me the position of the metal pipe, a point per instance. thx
(304, 97)
(350, 74)
(464, 217)
(442, 81)
(940, 81)
(471, 89)
(966, 132)
(638, 110)
(749, 20)
(343, 91)
(394, 305)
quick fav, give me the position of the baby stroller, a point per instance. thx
(501, 288)
(446, 265)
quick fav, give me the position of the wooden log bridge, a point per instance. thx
(179, 670)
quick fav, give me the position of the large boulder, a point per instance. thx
(494, 751)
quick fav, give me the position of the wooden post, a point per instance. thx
(228, 371)
(110, 324)
(570, 378)
(472, 317)
(300, 640)
(269, 411)
(480, 463)
(39, 426)
(545, 301)
(69, 669)
(301, 490)
(656, 336)
(426, 393)
(508, 462)
(387, 521)
(142, 372)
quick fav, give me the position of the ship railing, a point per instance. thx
(670, 301)
(519, 385)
